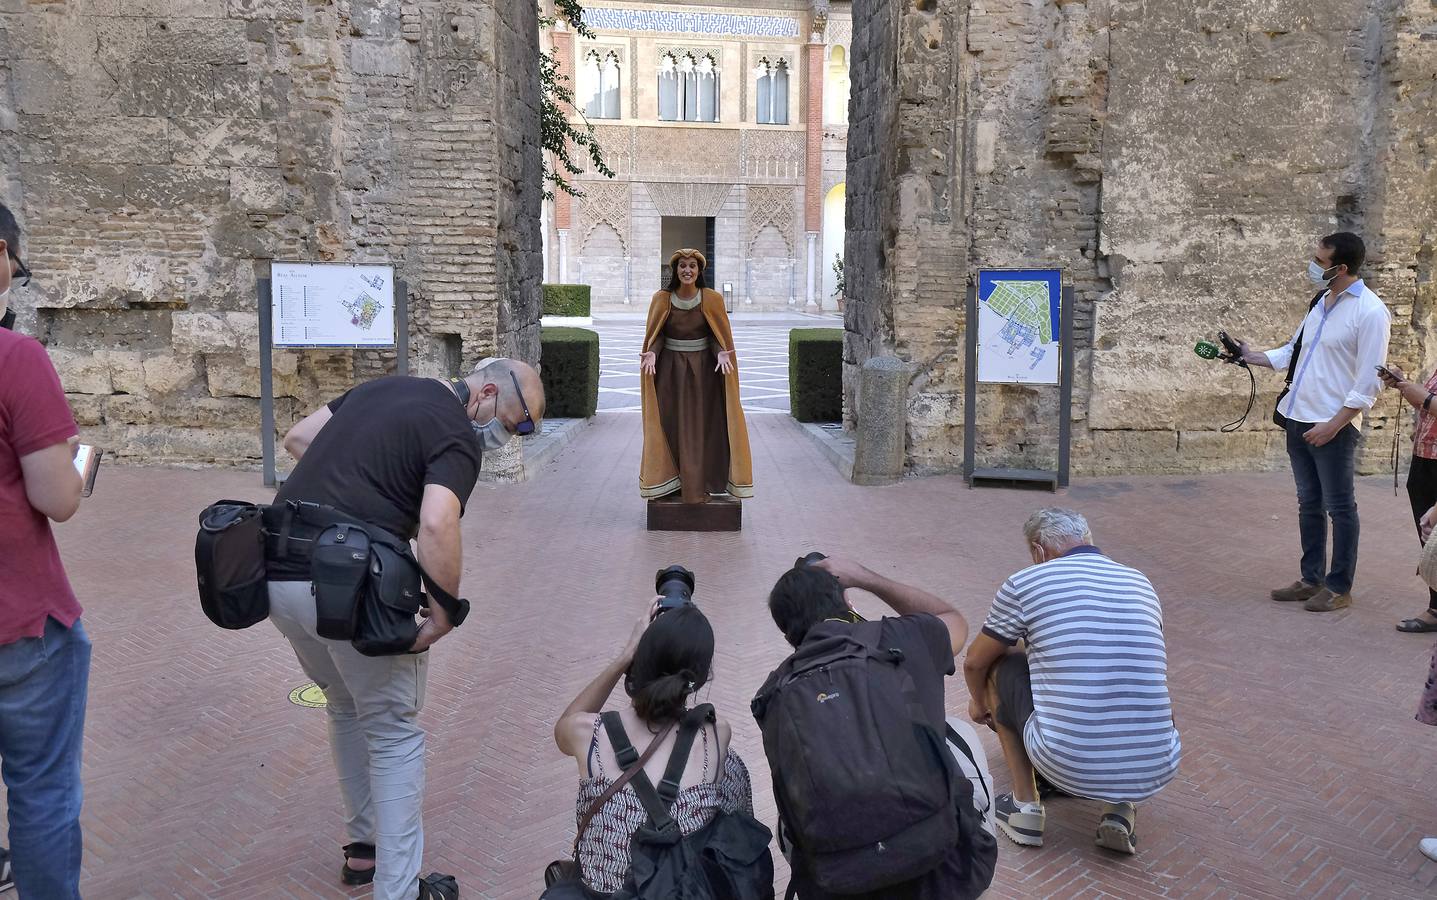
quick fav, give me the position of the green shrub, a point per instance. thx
(566, 299)
(815, 374)
(569, 366)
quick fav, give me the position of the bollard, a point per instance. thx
(882, 421)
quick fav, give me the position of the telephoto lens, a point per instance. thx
(809, 560)
(676, 586)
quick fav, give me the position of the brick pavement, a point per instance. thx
(1301, 778)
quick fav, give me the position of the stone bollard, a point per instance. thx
(882, 421)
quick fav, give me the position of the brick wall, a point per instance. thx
(159, 154)
(1176, 161)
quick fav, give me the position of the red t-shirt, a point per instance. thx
(33, 416)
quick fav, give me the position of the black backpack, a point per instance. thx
(727, 859)
(866, 787)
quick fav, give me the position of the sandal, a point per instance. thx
(1416, 625)
(357, 876)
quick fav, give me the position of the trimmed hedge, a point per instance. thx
(566, 299)
(815, 374)
(569, 367)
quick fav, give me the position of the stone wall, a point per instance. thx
(1177, 161)
(161, 152)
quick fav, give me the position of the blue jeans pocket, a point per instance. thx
(20, 659)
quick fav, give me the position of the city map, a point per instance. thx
(363, 310)
(1017, 318)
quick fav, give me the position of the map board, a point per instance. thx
(332, 305)
(1019, 311)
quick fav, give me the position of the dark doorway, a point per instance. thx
(682, 232)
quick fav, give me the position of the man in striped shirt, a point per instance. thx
(1085, 701)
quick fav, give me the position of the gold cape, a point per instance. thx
(658, 475)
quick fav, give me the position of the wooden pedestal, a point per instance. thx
(719, 514)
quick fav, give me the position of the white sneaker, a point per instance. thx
(1429, 848)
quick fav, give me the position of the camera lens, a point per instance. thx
(676, 586)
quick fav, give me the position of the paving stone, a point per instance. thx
(1302, 766)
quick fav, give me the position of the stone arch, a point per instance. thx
(834, 204)
(836, 86)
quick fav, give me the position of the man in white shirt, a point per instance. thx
(1331, 365)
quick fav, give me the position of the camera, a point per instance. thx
(809, 560)
(676, 586)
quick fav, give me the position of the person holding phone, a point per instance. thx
(1422, 475)
(44, 651)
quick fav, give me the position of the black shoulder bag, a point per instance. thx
(1278, 418)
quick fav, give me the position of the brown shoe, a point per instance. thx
(1326, 601)
(1298, 590)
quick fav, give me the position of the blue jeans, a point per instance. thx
(1325, 489)
(43, 683)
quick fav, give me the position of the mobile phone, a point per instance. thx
(1382, 370)
(87, 463)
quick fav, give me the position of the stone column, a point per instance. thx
(813, 159)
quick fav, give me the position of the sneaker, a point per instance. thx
(1021, 826)
(1298, 590)
(1115, 828)
(436, 886)
(1428, 846)
(7, 878)
(1326, 601)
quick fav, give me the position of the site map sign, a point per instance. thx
(1018, 331)
(332, 305)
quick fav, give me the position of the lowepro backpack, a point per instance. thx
(867, 791)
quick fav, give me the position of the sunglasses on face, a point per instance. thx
(21, 276)
(526, 426)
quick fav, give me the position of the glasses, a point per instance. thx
(21, 276)
(526, 426)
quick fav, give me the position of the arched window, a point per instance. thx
(772, 92)
(688, 89)
(835, 87)
(599, 81)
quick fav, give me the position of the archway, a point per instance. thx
(833, 231)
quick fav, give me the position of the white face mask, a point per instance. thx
(1317, 274)
(492, 434)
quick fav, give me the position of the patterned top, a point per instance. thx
(604, 850)
(1102, 724)
(1424, 443)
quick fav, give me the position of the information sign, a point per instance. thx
(1019, 315)
(332, 305)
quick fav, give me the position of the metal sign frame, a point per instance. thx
(266, 362)
(1010, 476)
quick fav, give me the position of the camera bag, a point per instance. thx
(229, 564)
(393, 593)
(339, 575)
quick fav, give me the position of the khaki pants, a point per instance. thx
(373, 705)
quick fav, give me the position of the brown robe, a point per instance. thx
(695, 436)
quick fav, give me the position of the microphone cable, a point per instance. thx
(1230, 427)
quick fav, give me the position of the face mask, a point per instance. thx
(1317, 274)
(492, 434)
(7, 315)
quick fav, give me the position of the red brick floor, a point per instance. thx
(1303, 773)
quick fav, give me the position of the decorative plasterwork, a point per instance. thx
(621, 53)
(773, 58)
(770, 206)
(840, 32)
(773, 154)
(604, 203)
(697, 52)
(670, 22)
(680, 199)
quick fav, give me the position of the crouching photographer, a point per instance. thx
(665, 805)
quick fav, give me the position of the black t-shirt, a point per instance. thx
(385, 441)
(928, 657)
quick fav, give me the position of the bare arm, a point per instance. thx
(905, 599)
(51, 483)
(576, 722)
(982, 656)
(441, 555)
(298, 438)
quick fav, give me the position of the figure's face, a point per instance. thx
(688, 270)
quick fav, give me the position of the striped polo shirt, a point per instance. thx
(1102, 723)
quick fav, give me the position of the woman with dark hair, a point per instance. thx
(695, 437)
(668, 659)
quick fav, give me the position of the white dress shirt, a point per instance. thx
(1341, 350)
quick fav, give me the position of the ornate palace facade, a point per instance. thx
(726, 128)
